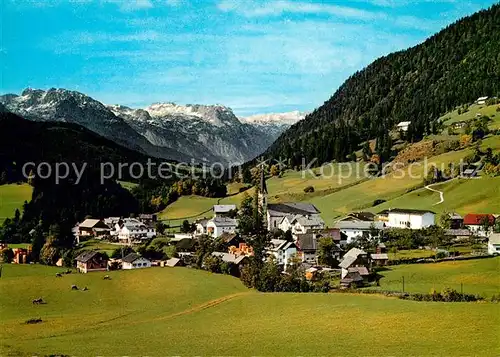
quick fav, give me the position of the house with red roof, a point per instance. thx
(476, 223)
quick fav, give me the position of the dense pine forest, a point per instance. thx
(453, 67)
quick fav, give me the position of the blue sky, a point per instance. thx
(254, 56)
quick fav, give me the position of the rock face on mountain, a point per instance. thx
(208, 132)
(191, 132)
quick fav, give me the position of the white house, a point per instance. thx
(481, 100)
(299, 224)
(135, 261)
(223, 210)
(132, 229)
(404, 125)
(410, 218)
(276, 212)
(354, 229)
(494, 244)
(201, 226)
(282, 251)
(112, 223)
(218, 225)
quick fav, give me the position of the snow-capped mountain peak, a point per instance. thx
(288, 118)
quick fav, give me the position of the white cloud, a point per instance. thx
(131, 5)
(278, 7)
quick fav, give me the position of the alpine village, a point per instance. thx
(369, 226)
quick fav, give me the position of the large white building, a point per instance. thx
(410, 218)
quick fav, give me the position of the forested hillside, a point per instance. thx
(24, 141)
(455, 66)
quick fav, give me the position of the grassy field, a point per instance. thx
(162, 311)
(12, 197)
(95, 244)
(462, 196)
(479, 276)
(490, 111)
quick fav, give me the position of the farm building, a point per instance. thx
(481, 100)
(307, 248)
(231, 258)
(135, 261)
(359, 217)
(403, 125)
(354, 258)
(223, 210)
(174, 262)
(93, 228)
(456, 220)
(379, 259)
(91, 261)
(476, 223)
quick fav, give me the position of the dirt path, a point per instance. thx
(441, 195)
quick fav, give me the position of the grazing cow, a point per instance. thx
(74, 287)
(107, 277)
(37, 301)
(58, 275)
(85, 289)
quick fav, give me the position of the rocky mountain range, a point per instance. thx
(166, 130)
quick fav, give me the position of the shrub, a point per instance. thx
(378, 202)
(36, 320)
(309, 189)
(7, 255)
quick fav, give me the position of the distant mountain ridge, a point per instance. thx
(180, 132)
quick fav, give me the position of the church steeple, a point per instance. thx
(263, 187)
(262, 194)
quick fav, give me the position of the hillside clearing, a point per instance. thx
(12, 197)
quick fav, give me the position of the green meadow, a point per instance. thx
(478, 276)
(12, 197)
(180, 311)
